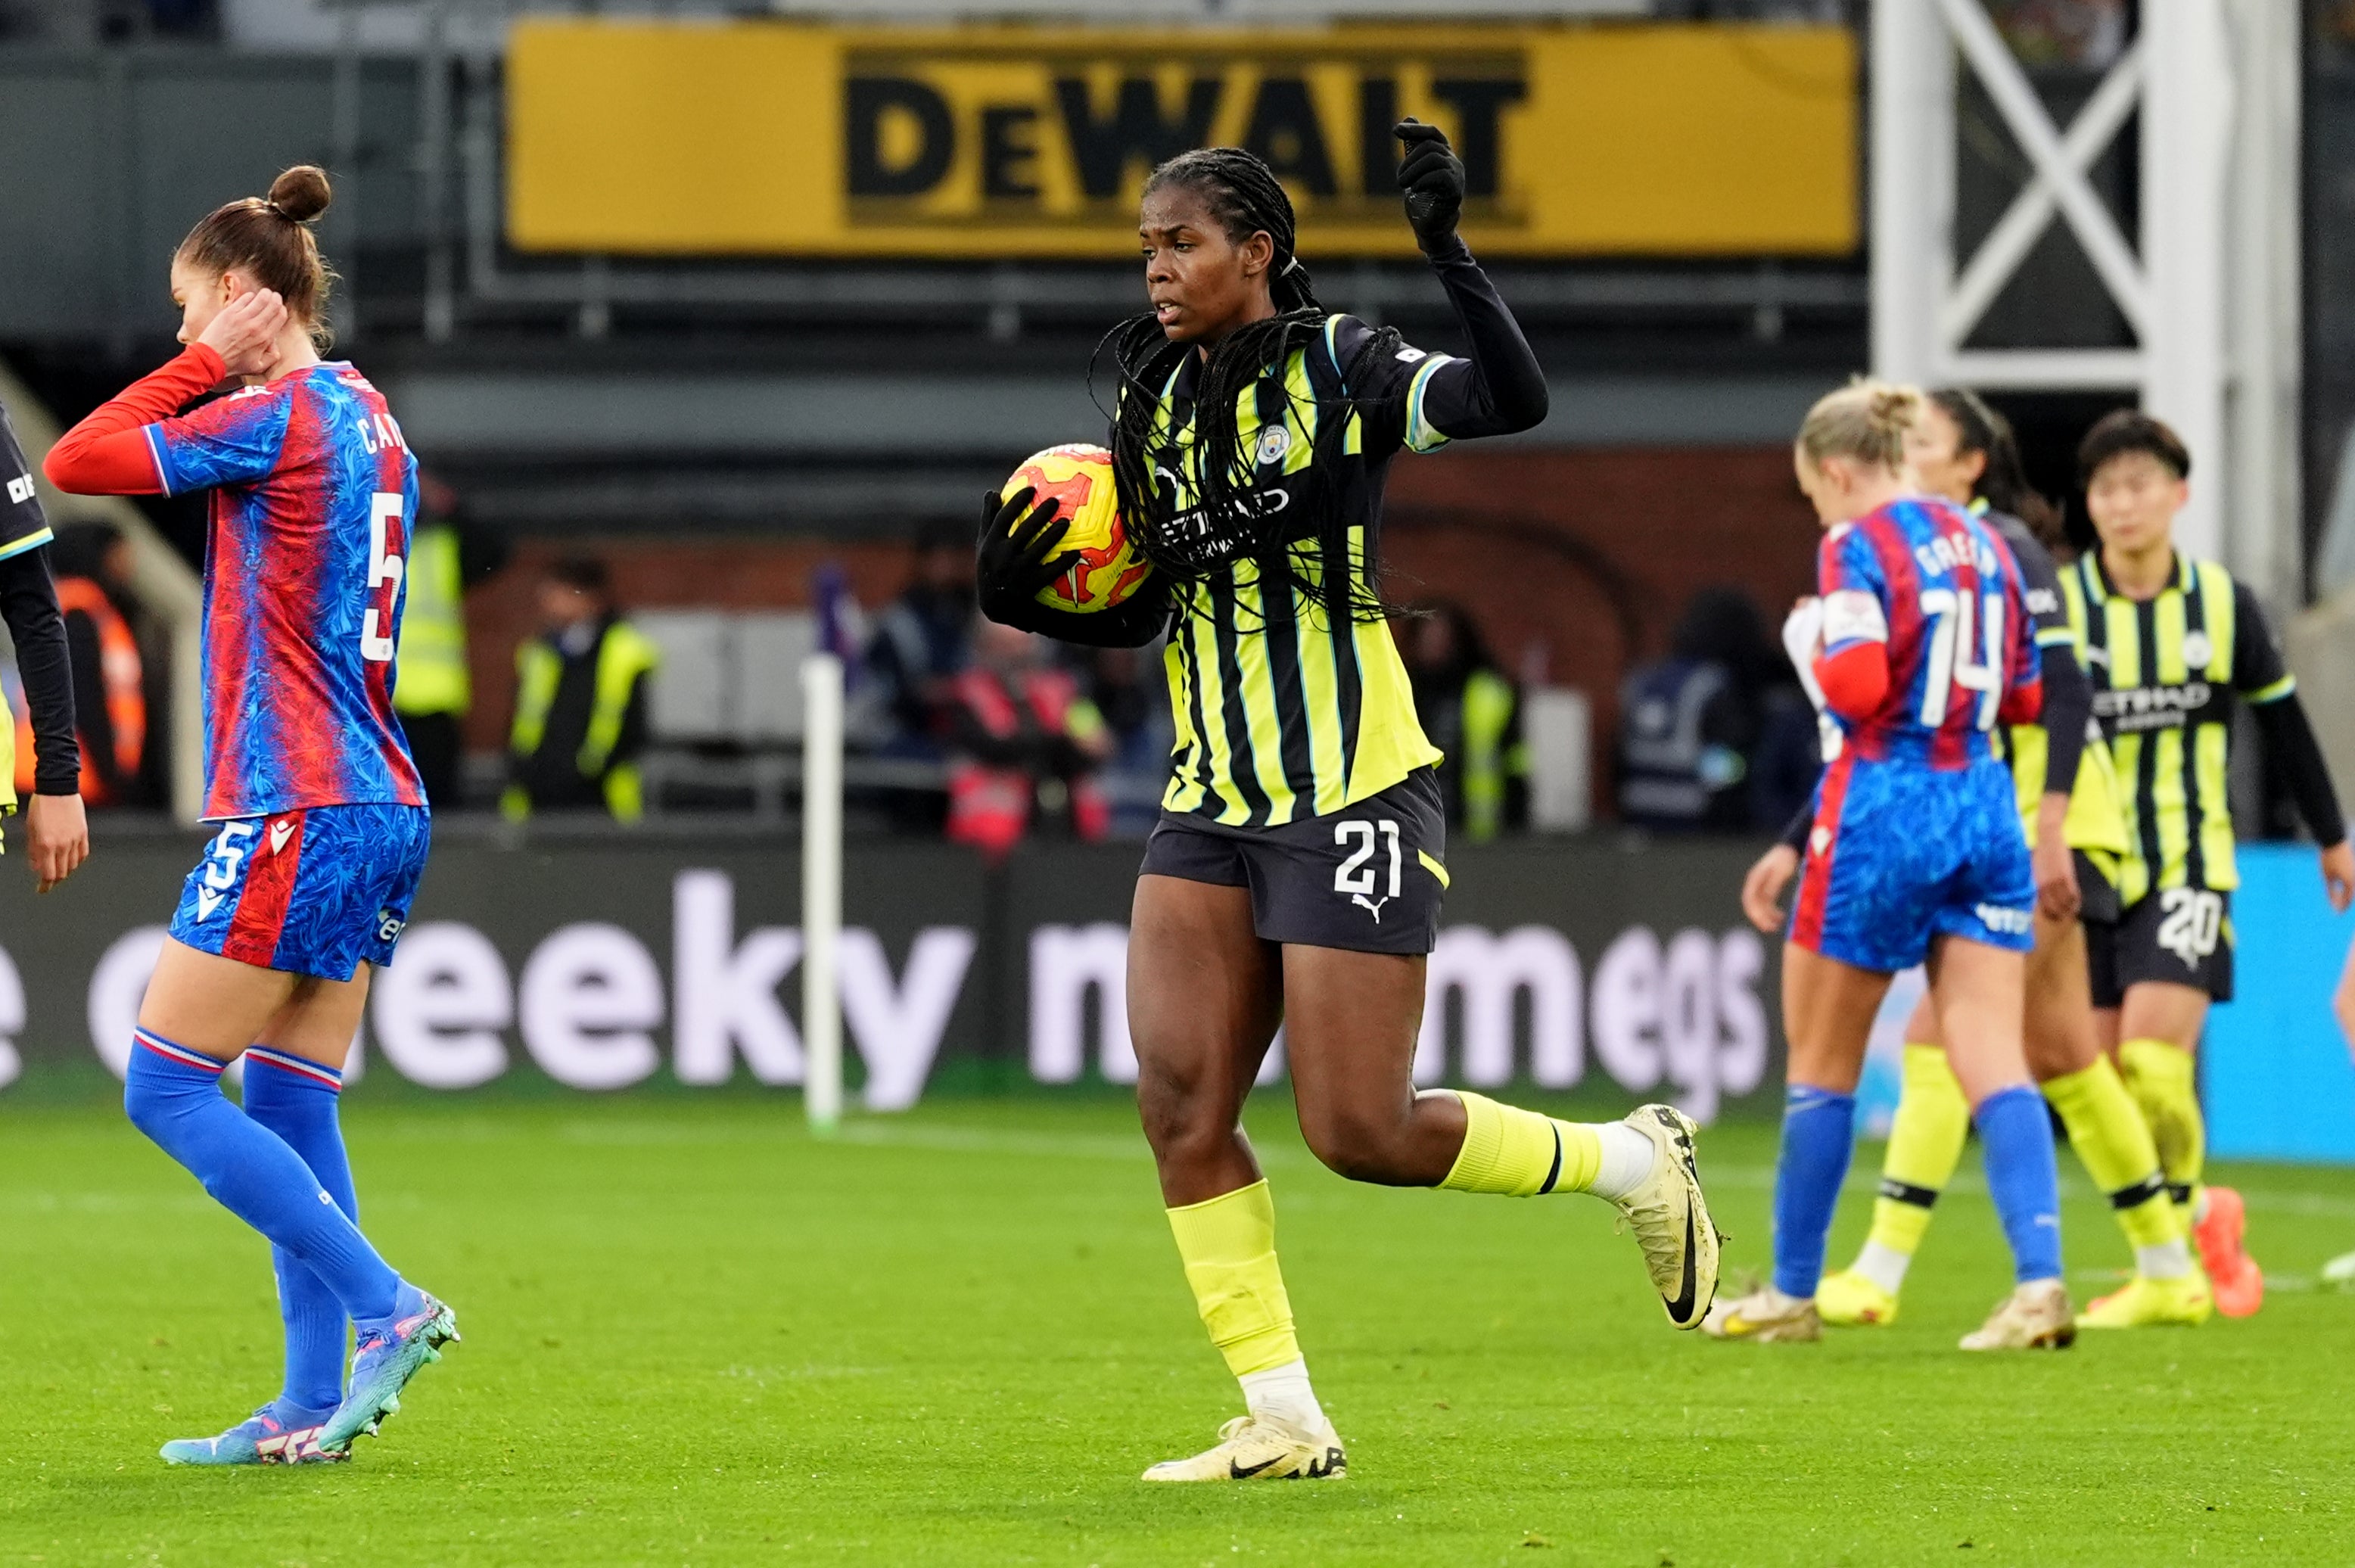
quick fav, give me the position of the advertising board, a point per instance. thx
(668, 138)
(603, 964)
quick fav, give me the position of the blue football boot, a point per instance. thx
(277, 1433)
(390, 1352)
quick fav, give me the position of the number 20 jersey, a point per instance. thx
(1941, 588)
(313, 490)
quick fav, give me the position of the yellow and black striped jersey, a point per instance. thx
(1286, 709)
(2169, 673)
(2093, 823)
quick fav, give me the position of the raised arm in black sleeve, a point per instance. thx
(28, 605)
(1501, 388)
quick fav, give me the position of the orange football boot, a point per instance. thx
(2238, 1282)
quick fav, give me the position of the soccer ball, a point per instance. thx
(1110, 568)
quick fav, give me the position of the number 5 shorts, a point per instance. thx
(313, 891)
(2179, 935)
(1368, 878)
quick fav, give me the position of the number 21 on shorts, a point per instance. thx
(386, 542)
(1355, 877)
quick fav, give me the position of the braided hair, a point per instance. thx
(1229, 522)
(2003, 483)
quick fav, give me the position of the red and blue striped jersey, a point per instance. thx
(1941, 591)
(312, 493)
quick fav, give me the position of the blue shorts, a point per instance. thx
(316, 891)
(1899, 854)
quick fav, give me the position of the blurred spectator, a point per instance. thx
(1021, 740)
(1689, 723)
(580, 701)
(2089, 34)
(448, 555)
(92, 565)
(1130, 688)
(1472, 713)
(922, 639)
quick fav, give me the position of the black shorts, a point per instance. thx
(2181, 934)
(1368, 878)
(2098, 896)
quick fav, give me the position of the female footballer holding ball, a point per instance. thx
(1297, 869)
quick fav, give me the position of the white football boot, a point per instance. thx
(1670, 1217)
(1259, 1449)
(2035, 1317)
(1766, 1317)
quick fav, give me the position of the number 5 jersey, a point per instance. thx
(312, 493)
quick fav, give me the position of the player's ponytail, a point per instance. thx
(1227, 522)
(1864, 421)
(268, 239)
(2003, 482)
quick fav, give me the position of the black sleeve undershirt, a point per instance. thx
(1499, 388)
(28, 605)
(1795, 831)
(2290, 742)
(2068, 707)
(94, 722)
(1131, 624)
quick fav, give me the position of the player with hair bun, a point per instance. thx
(321, 822)
(1923, 644)
(1297, 872)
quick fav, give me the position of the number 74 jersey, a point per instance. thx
(1941, 591)
(314, 493)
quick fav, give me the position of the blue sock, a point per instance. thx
(1818, 1132)
(2016, 1135)
(173, 1095)
(296, 1100)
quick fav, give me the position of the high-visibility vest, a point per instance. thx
(624, 655)
(1489, 763)
(989, 807)
(430, 673)
(126, 695)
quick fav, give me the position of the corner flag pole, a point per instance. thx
(821, 889)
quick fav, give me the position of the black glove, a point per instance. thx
(1015, 545)
(1433, 178)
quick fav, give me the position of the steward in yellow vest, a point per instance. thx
(580, 702)
(433, 686)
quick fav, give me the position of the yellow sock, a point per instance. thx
(2110, 1135)
(1926, 1144)
(1227, 1243)
(2160, 1077)
(1521, 1153)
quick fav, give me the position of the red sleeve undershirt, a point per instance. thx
(1855, 679)
(2024, 703)
(1856, 682)
(107, 454)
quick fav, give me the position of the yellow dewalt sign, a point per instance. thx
(755, 138)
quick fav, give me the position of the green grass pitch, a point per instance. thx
(695, 1335)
